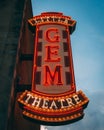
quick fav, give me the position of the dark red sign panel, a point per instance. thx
(53, 70)
(53, 98)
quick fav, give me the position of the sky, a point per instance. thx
(88, 55)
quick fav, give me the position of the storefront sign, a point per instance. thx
(53, 98)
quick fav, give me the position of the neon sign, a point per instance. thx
(53, 98)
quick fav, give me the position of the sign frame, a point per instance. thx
(52, 102)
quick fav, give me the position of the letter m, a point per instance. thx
(53, 77)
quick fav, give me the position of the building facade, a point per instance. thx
(16, 49)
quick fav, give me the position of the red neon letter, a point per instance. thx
(53, 77)
(52, 35)
(52, 51)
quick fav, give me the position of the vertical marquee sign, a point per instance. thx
(53, 98)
